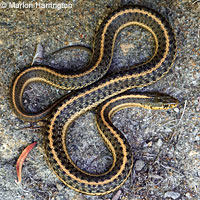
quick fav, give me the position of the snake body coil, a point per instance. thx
(95, 89)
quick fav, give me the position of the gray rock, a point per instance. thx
(171, 194)
(159, 143)
(139, 165)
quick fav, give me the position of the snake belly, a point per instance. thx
(97, 91)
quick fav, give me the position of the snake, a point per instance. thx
(92, 88)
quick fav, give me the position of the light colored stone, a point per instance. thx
(159, 143)
(59, 186)
(188, 195)
(139, 165)
(171, 194)
(176, 110)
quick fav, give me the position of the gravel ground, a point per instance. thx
(165, 144)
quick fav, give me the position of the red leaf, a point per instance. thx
(21, 159)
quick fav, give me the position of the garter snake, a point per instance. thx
(92, 87)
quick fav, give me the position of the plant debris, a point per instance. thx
(21, 159)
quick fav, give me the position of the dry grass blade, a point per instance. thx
(21, 159)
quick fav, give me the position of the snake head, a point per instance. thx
(163, 101)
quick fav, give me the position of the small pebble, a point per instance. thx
(168, 130)
(171, 194)
(188, 195)
(139, 165)
(149, 144)
(145, 119)
(117, 195)
(159, 143)
(59, 186)
(176, 110)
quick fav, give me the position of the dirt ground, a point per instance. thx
(165, 144)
